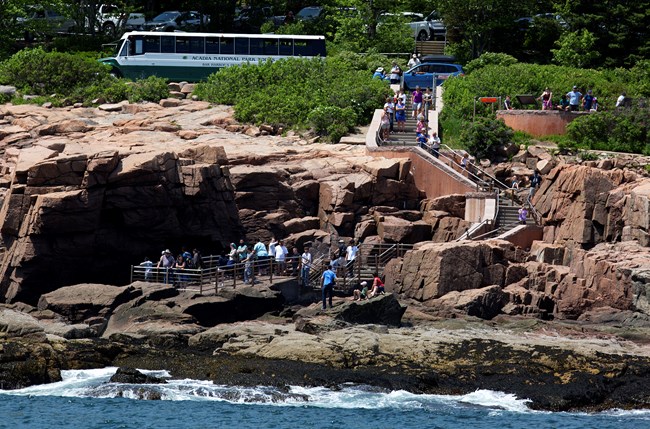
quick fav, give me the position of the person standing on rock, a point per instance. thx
(261, 255)
(535, 182)
(305, 265)
(328, 280)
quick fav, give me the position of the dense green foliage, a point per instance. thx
(484, 135)
(623, 130)
(620, 28)
(489, 59)
(74, 78)
(43, 73)
(300, 92)
(524, 78)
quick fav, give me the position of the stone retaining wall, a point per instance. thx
(538, 122)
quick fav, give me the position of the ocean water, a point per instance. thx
(85, 399)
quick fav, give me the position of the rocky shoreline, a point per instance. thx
(87, 192)
(557, 365)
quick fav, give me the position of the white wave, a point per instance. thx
(492, 399)
(94, 383)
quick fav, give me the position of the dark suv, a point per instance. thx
(175, 20)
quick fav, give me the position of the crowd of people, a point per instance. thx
(572, 101)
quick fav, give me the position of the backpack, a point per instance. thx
(189, 263)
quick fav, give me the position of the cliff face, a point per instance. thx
(73, 218)
(86, 193)
(594, 256)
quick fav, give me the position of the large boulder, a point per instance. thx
(485, 302)
(80, 302)
(381, 310)
(432, 270)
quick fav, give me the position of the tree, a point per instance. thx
(620, 27)
(477, 24)
(576, 49)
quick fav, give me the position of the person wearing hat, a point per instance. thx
(379, 73)
(414, 61)
(360, 292)
(588, 101)
(574, 97)
(166, 262)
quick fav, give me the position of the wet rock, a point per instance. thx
(133, 376)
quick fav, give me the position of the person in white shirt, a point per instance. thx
(434, 144)
(281, 257)
(620, 101)
(350, 256)
(414, 61)
(305, 265)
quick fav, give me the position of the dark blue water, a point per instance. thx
(59, 412)
(85, 400)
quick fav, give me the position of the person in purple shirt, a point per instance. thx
(416, 100)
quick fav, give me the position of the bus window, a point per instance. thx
(227, 45)
(167, 44)
(125, 48)
(300, 47)
(256, 47)
(270, 46)
(138, 49)
(211, 45)
(182, 45)
(197, 45)
(310, 48)
(286, 47)
(152, 44)
(241, 46)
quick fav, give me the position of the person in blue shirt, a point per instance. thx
(328, 280)
(379, 73)
(575, 97)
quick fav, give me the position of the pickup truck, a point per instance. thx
(430, 28)
(423, 28)
(110, 19)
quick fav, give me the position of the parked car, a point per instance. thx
(251, 19)
(310, 13)
(175, 20)
(40, 22)
(110, 19)
(423, 28)
(423, 74)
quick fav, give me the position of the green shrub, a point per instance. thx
(332, 121)
(43, 73)
(152, 88)
(521, 78)
(585, 155)
(288, 91)
(623, 130)
(484, 135)
(490, 58)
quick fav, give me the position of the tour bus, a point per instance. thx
(192, 57)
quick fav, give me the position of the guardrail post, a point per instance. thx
(271, 269)
(131, 274)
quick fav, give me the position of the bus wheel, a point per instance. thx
(109, 29)
(115, 73)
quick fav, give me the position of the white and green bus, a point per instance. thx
(193, 56)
